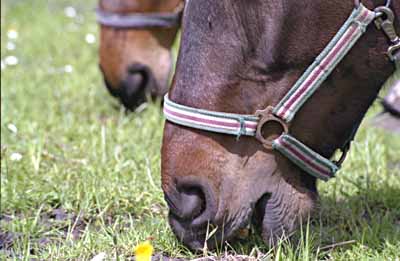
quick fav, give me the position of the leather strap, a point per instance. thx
(138, 21)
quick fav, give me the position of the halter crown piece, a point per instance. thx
(283, 113)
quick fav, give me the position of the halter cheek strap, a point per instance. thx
(304, 157)
(237, 124)
(324, 64)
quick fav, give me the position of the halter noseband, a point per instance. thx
(139, 20)
(252, 125)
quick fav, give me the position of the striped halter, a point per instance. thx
(140, 20)
(282, 114)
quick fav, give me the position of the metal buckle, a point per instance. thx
(387, 26)
(267, 117)
(393, 49)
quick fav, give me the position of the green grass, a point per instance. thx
(99, 168)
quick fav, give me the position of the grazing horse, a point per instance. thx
(391, 103)
(389, 119)
(135, 47)
(238, 57)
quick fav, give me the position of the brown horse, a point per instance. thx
(242, 56)
(391, 103)
(389, 119)
(135, 48)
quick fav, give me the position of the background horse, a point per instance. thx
(240, 57)
(391, 103)
(135, 47)
(389, 119)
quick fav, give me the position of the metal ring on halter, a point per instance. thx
(344, 151)
(357, 3)
(267, 117)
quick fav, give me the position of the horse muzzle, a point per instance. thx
(193, 208)
(135, 88)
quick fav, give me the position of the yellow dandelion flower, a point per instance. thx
(144, 251)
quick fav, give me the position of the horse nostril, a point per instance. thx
(192, 203)
(135, 86)
(137, 80)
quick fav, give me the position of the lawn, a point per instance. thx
(80, 177)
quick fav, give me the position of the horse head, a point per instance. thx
(243, 56)
(135, 47)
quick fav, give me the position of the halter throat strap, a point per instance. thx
(237, 124)
(138, 20)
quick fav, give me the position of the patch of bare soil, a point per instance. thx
(68, 223)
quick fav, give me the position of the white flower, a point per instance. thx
(15, 156)
(11, 127)
(10, 46)
(70, 11)
(3, 65)
(11, 60)
(99, 257)
(90, 38)
(68, 68)
(12, 34)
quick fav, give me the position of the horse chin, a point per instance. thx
(279, 214)
(193, 238)
(210, 235)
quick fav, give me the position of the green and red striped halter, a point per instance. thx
(251, 125)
